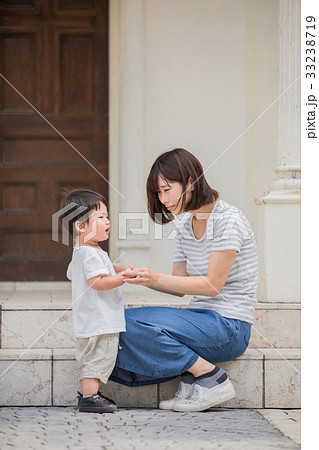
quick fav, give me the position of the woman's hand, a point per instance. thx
(142, 276)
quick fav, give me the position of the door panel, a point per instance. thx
(55, 52)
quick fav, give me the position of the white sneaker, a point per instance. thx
(184, 391)
(203, 398)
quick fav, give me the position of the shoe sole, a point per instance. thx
(168, 404)
(222, 393)
(166, 407)
(96, 410)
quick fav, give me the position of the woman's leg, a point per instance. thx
(188, 379)
(201, 367)
(154, 342)
(160, 343)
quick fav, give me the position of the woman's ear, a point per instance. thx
(190, 185)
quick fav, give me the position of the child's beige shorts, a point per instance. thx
(97, 355)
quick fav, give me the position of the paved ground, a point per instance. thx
(129, 429)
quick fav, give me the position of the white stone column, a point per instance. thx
(288, 168)
(279, 214)
(127, 130)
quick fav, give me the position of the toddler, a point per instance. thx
(97, 303)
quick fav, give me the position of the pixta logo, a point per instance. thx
(75, 211)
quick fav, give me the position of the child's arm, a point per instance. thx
(106, 282)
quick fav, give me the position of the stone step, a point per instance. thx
(263, 378)
(42, 317)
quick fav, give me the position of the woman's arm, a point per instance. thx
(219, 266)
(179, 269)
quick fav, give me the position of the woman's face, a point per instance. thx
(170, 195)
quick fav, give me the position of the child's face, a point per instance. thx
(98, 228)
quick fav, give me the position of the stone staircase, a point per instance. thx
(38, 366)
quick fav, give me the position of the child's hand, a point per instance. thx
(128, 272)
(125, 270)
(121, 268)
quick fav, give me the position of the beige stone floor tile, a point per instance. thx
(288, 421)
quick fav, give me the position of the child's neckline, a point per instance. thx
(91, 246)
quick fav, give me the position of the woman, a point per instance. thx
(216, 262)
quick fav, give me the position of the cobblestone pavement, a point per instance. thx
(129, 429)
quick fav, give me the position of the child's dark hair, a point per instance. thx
(180, 166)
(82, 201)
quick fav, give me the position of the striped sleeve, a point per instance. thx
(228, 231)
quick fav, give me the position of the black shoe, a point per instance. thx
(97, 403)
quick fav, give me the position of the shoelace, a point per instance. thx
(99, 397)
(194, 397)
(179, 392)
(106, 398)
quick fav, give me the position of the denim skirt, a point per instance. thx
(160, 343)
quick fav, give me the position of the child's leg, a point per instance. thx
(97, 356)
(92, 354)
(90, 386)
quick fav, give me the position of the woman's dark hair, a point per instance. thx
(178, 165)
(80, 202)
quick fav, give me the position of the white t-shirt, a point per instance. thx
(227, 229)
(94, 312)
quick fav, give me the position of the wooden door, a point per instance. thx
(55, 52)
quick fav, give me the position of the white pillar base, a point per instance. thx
(279, 251)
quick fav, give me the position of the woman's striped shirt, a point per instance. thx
(227, 229)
